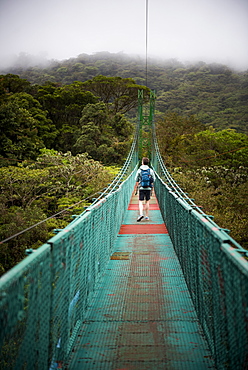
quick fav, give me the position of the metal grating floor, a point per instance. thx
(141, 316)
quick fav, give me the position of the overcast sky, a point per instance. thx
(188, 30)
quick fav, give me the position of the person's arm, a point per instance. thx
(136, 187)
(153, 176)
(137, 182)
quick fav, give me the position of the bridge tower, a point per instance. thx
(146, 118)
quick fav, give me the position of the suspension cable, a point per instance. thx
(146, 41)
(48, 218)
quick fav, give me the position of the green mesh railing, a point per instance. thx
(215, 268)
(45, 297)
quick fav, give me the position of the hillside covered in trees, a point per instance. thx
(63, 126)
(56, 144)
(79, 117)
(214, 93)
(211, 166)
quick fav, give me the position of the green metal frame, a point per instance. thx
(145, 123)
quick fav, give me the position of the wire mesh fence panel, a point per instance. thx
(25, 313)
(215, 268)
(44, 298)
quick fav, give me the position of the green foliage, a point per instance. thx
(24, 125)
(120, 94)
(11, 83)
(104, 137)
(225, 147)
(210, 165)
(78, 106)
(214, 93)
(222, 192)
(182, 143)
(34, 191)
(46, 130)
(64, 106)
(21, 186)
(13, 220)
(50, 116)
(173, 131)
(19, 134)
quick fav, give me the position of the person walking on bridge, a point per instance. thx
(144, 181)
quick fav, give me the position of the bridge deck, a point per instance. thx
(141, 316)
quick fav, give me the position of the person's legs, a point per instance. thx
(146, 208)
(141, 207)
(141, 198)
(147, 205)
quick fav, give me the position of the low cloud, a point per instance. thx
(208, 30)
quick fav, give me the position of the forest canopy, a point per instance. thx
(67, 117)
(63, 126)
(57, 142)
(214, 93)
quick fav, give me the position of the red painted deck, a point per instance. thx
(143, 229)
(135, 207)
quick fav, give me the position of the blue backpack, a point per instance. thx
(146, 178)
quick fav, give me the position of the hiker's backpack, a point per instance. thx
(146, 178)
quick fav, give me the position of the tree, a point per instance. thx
(103, 136)
(120, 94)
(19, 139)
(46, 130)
(11, 83)
(227, 147)
(31, 192)
(64, 105)
(172, 126)
(21, 186)
(183, 142)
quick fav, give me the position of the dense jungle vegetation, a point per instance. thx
(56, 146)
(214, 93)
(66, 128)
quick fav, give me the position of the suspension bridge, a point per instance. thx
(109, 293)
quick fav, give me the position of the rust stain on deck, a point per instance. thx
(120, 256)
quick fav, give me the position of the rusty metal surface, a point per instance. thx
(120, 256)
(141, 316)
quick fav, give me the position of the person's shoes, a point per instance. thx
(140, 218)
(146, 218)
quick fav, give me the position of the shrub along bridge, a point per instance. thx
(109, 293)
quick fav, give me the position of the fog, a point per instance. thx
(187, 30)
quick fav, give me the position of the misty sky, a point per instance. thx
(188, 30)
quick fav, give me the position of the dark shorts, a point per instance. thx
(144, 194)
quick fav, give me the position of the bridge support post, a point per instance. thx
(145, 124)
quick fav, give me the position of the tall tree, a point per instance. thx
(64, 105)
(11, 83)
(19, 138)
(120, 94)
(103, 136)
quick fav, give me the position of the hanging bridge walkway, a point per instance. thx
(141, 315)
(109, 293)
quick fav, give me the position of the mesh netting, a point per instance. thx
(45, 297)
(216, 273)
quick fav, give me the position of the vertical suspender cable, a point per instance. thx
(146, 37)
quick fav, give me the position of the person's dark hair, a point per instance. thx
(145, 161)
